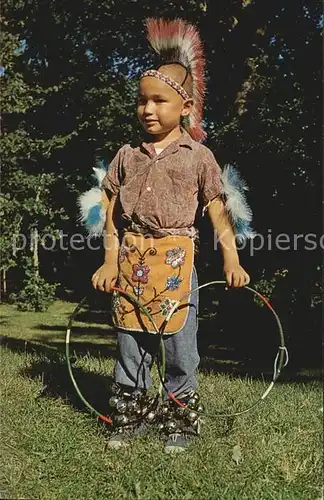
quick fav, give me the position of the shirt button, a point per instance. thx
(148, 188)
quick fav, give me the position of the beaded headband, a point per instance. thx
(176, 86)
(179, 42)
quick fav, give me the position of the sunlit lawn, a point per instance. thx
(53, 449)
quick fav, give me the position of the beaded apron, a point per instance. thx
(157, 272)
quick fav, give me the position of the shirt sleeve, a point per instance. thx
(209, 178)
(115, 175)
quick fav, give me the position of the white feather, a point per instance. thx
(96, 230)
(86, 202)
(235, 202)
(100, 174)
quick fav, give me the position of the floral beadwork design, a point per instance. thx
(140, 273)
(175, 257)
(138, 290)
(115, 301)
(173, 282)
(155, 283)
(122, 254)
(166, 306)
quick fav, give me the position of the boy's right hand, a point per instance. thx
(105, 277)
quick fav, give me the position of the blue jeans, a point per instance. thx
(136, 351)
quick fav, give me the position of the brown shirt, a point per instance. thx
(162, 192)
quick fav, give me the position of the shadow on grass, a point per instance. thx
(52, 370)
(227, 356)
(251, 354)
(232, 344)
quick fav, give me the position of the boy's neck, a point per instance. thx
(163, 140)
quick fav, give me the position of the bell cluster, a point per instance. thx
(130, 407)
(175, 418)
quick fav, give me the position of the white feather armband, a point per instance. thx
(233, 189)
(93, 206)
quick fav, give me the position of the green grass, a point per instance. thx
(53, 449)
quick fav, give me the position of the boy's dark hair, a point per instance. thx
(179, 74)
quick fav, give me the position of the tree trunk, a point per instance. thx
(3, 285)
(34, 245)
(4, 281)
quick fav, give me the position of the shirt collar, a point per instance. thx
(184, 140)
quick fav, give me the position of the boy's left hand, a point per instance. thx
(235, 275)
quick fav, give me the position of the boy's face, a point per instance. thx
(159, 106)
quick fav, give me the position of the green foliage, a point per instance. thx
(36, 294)
(10, 222)
(269, 287)
(68, 97)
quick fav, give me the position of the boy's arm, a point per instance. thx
(234, 273)
(111, 240)
(107, 274)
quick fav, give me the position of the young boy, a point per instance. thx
(154, 193)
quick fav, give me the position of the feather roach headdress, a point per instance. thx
(179, 42)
